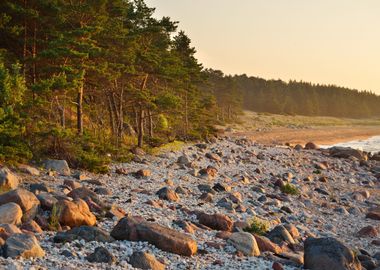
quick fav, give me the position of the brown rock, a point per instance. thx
(145, 260)
(292, 230)
(121, 170)
(267, 245)
(10, 213)
(373, 214)
(311, 146)
(143, 173)
(31, 226)
(223, 235)
(277, 266)
(8, 180)
(75, 214)
(210, 172)
(71, 183)
(207, 197)
(25, 199)
(368, 231)
(216, 222)
(167, 194)
(138, 229)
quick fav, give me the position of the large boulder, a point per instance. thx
(216, 222)
(138, 229)
(25, 199)
(8, 180)
(329, 253)
(85, 233)
(146, 261)
(22, 245)
(75, 214)
(245, 242)
(347, 152)
(60, 166)
(10, 213)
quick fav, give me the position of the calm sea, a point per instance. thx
(370, 145)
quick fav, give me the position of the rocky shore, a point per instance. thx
(227, 204)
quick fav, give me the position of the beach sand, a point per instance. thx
(318, 135)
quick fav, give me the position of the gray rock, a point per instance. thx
(47, 200)
(101, 255)
(10, 213)
(280, 234)
(86, 233)
(60, 166)
(327, 254)
(22, 245)
(245, 242)
(38, 188)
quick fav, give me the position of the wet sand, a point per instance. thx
(318, 135)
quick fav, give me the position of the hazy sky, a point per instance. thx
(322, 41)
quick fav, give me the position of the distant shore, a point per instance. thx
(318, 135)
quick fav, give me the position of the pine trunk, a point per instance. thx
(80, 110)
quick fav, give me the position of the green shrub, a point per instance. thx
(54, 218)
(257, 226)
(290, 189)
(94, 162)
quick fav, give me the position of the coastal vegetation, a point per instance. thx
(86, 81)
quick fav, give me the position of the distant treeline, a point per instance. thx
(301, 98)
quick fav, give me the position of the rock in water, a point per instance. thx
(311, 146)
(25, 199)
(10, 213)
(8, 180)
(60, 166)
(101, 255)
(327, 254)
(347, 152)
(245, 242)
(22, 245)
(145, 260)
(137, 229)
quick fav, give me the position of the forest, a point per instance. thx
(292, 98)
(88, 80)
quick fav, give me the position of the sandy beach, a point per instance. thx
(319, 135)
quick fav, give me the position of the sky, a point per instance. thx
(320, 41)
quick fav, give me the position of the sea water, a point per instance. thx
(370, 145)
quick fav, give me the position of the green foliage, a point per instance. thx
(12, 129)
(257, 226)
(290, 189)
(4, 190)
(54, 218)
(93, 162)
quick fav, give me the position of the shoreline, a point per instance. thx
(319, 135)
